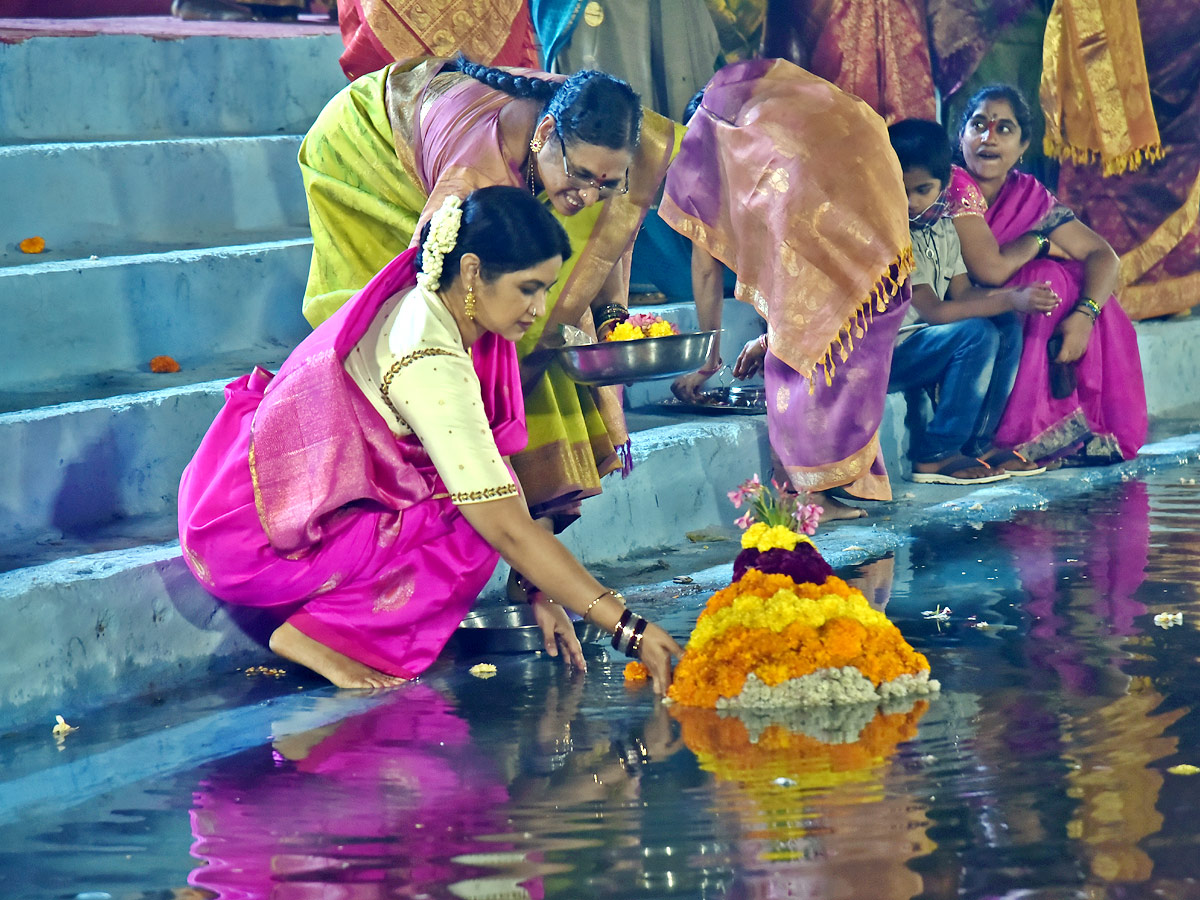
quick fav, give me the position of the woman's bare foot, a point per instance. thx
(291, 643)
(835, 509)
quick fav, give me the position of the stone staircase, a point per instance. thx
(162, 176)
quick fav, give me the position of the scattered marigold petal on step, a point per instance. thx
(163, 364)
(32, 245)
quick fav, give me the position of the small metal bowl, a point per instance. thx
(624, 362)
(511, 629)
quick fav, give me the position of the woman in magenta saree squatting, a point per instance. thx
(792, 184)
(1079, 395)
(364, 491)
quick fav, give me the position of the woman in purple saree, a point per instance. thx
(1079, 395)
(364, 491)
(792, 183)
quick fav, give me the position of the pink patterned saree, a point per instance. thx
(1104, 419)
(301, 499)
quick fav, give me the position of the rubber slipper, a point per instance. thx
(960, 470)
(1012, 462)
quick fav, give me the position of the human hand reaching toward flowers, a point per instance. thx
(557, 631)
(656, 653)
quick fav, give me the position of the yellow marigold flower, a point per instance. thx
(763, 537)
(623, 331)
(751, 535)
(661, 329)
(635, 671)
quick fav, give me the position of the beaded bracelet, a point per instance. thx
(1089, 307)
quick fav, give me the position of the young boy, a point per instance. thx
(958, 341)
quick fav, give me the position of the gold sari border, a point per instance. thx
(854, 472)
(1130, 161)
(1163, 298)
(1166, 237)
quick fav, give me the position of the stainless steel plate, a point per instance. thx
(744, 400)
(624, 362)
(511, 629)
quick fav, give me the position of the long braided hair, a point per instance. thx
(590, 107)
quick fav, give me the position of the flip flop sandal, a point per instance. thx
(1013, 463)
(952, 471)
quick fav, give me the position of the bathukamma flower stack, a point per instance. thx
(788, 632)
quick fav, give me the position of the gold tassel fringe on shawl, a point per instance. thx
(885, 290)
(1095, 91)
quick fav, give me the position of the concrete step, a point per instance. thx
(130, 87)
(98, 474)
(75, 325)
(138, 197)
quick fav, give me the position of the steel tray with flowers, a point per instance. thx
(645, 359)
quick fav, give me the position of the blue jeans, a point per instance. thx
(970, 365)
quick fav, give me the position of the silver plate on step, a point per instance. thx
(511, 629)
(745, 400)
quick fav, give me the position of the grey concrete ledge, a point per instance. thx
(106, 198)
(183, 303)
(128, 86)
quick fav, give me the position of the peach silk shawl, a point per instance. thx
(792, 183)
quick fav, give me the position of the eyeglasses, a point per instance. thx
(613, 188)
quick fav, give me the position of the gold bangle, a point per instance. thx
(616, 595)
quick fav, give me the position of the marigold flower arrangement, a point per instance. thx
(788, 632)
(641, 325)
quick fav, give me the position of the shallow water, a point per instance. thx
(1041, 771)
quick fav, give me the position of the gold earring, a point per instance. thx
(469, 302)
(536, 144)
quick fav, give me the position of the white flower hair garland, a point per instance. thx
(443, 235)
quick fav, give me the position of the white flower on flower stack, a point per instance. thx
(443, 235)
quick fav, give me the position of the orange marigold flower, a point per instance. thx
(32, 245)
(635, 671)
(163, 364)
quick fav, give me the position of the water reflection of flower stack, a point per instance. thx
(803, 749)
(788, 632)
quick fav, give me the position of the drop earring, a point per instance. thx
(469, 303)
(536, 144)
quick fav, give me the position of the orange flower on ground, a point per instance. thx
(635, 672)
(32, 245)
(163, 364)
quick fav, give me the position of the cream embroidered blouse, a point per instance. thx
(412, 366)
